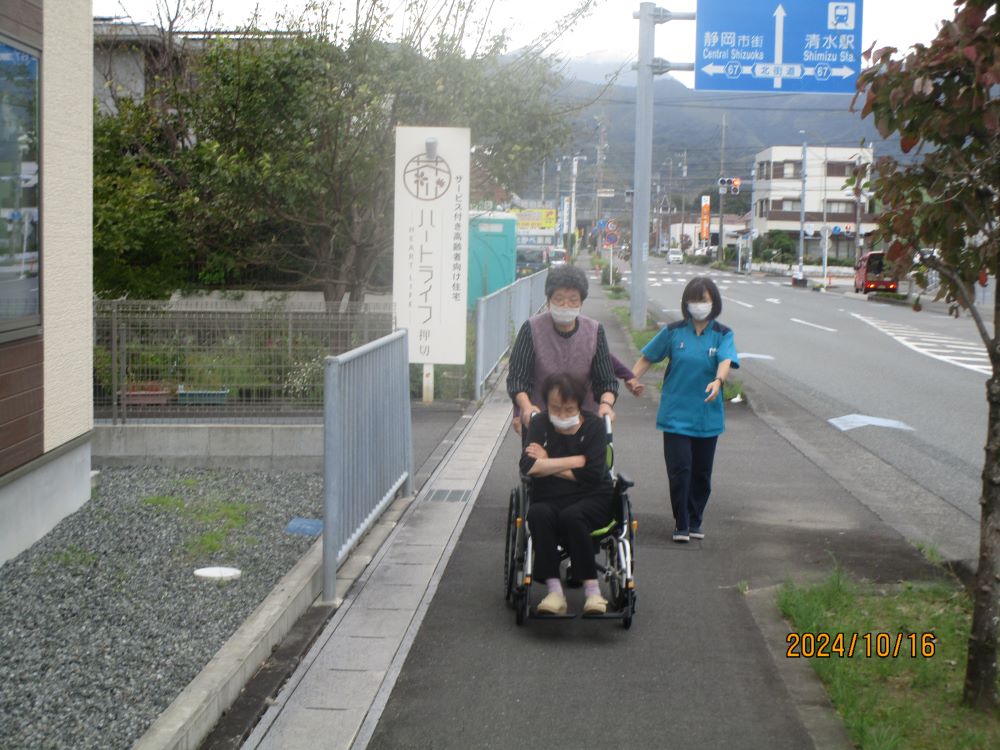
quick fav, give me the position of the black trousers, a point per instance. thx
(568, 521)
(689, 470)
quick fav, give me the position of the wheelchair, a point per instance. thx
(614, 546)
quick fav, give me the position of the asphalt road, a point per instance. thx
(836, 354)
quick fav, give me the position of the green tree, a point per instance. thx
(941, 100)
(287, 166)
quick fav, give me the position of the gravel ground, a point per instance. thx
(103, 623)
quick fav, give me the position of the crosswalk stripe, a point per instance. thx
(937, 346)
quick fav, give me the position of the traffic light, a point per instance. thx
(729, 185)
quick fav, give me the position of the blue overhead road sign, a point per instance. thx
(794, 46)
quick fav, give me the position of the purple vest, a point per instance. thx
(555, 354)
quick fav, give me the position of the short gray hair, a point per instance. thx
(566, 277)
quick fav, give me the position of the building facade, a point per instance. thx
(781, 183)
(46, 121)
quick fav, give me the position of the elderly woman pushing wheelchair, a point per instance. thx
(566, 453)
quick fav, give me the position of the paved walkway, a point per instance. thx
(423, 652)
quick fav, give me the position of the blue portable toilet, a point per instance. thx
(492, 252)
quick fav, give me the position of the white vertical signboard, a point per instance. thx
(431, 241)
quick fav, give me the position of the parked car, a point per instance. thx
(530, 259)
(557, 256)
(674, 255)
(872, 275)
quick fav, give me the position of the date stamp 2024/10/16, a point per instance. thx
(881, 645)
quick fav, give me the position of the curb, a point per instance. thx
(194, 713)
(805, 690)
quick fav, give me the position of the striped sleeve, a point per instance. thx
(521, 368)
(602, 372)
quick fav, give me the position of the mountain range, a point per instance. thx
(691, 121)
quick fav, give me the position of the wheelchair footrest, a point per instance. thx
(536, 616)
(605, 616)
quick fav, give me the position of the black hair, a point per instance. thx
(569, 388)
(566, 277)
(695, 291)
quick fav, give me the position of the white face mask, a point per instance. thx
(700, 310)
(564, 424)
(564, 315)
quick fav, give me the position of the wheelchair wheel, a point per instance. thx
(510, 547)
(521, 605)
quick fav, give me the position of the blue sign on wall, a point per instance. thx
(794, 46)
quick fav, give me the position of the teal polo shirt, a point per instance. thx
(694, 361)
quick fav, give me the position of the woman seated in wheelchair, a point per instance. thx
(565, 453)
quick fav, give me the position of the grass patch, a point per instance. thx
(76, 558)
(165, 502)
(188, 482)
(214, 520)
(616, 292)
(906, 701)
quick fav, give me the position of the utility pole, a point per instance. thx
(670, 182)
(753, 214)
(572, 208)
(646, 67)
(602, 144)
(543, 183)
(720, 256)
(684, 174)
(802, 212)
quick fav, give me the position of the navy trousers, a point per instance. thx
(689, 470)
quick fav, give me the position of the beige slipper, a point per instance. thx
(552, 604)
(595, 605)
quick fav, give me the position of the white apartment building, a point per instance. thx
(828, 203)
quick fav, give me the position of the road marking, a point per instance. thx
(736, 301)
(813, 325)
(954, 351)
(773, 300)
(747, 355)
(852, 421)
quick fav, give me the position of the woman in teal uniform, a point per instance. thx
(701, 352)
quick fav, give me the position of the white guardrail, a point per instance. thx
(499, 316)
(367, 445)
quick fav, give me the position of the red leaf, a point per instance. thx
(974, 16)
(907, 142)
(896, 251)
(971, 53)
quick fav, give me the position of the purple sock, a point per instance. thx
(554, 585)
(591, 588)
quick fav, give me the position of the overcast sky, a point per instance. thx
(610, 32)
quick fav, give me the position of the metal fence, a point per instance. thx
(498, 318)
(211, 360)
(368, 451)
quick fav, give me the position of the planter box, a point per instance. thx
(144, 398)
(189, 396)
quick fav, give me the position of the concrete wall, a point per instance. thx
(211, 446)
(67, 220)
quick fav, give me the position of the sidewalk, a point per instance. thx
(423, 653)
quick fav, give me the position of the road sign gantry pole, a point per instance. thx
(647, 66)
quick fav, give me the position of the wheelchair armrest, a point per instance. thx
(624, 482)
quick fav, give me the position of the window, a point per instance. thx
(840, 207)
(838, 168)
(19, 193)
(791, 204)
(792, 170)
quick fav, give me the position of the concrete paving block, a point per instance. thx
(409, 554)
(375, 623)
(353, 652)
(380, 595)
(339, 689)
(353, 566)
(310, 728)
(406, 574)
